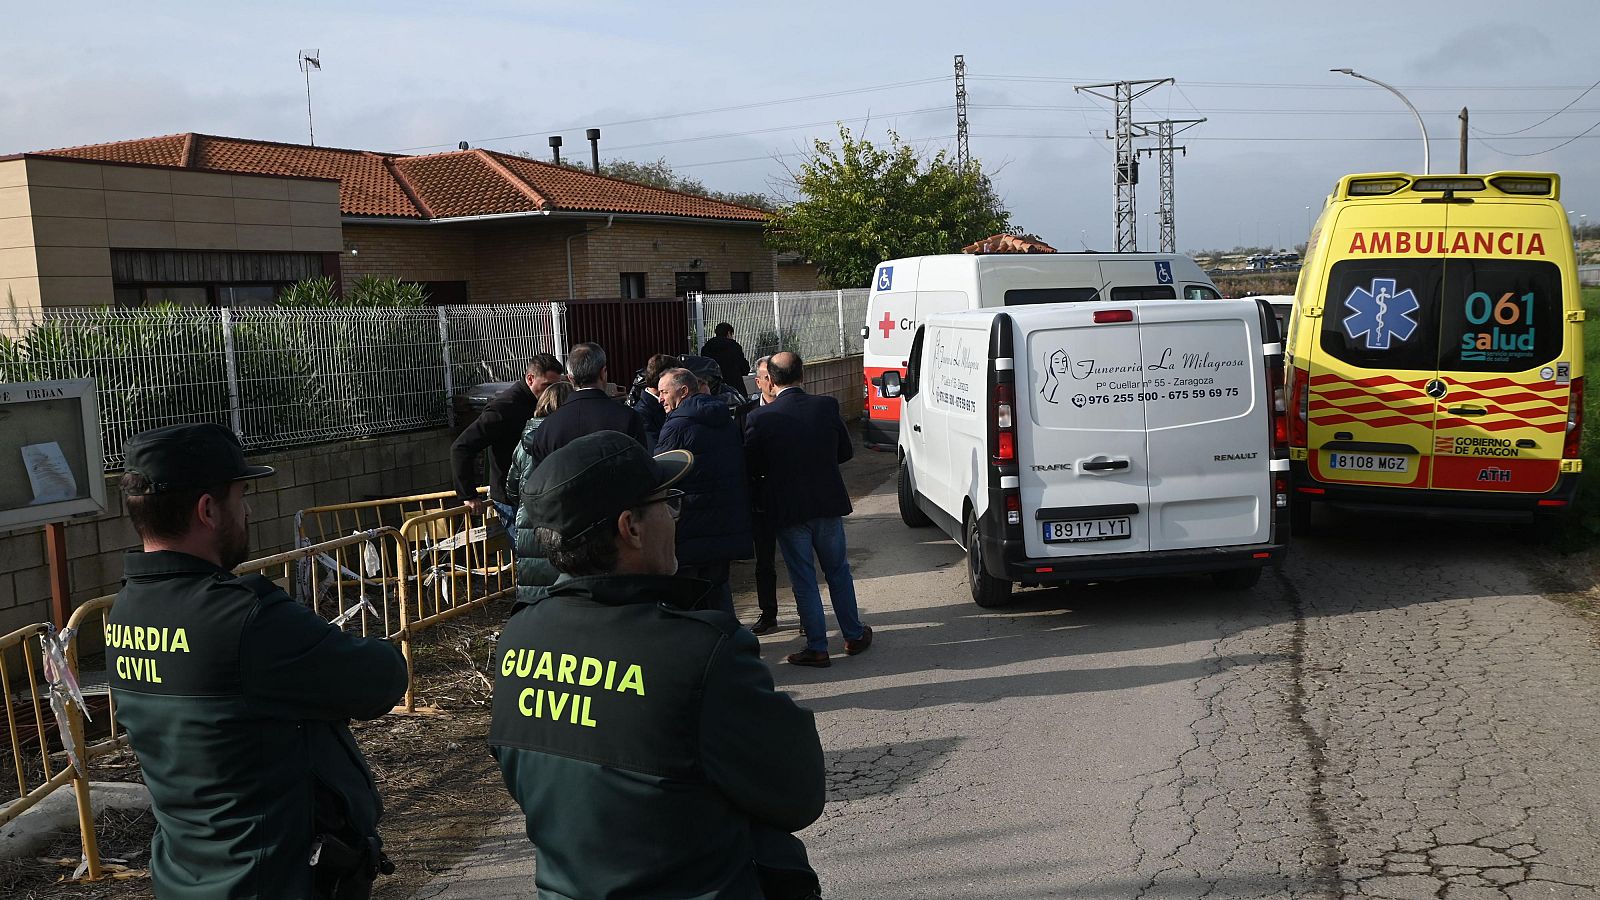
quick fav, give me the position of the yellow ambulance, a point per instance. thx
(1435, 355)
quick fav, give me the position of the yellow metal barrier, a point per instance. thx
(39, 769)
(92, 614)
(354, 578)
(451, 562)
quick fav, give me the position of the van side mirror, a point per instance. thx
(891, 383)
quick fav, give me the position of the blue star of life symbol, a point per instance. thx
(1380, 313)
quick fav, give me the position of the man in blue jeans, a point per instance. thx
(794, 445)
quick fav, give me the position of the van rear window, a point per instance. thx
(1033, 296)
(1460, 315)
(1149, 292)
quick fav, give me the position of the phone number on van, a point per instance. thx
(1149, 396)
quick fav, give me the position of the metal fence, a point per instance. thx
(818, 325)
(285, 377)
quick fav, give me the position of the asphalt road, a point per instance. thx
(1401, 711)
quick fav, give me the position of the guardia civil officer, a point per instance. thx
(638, 729)
(236, 699)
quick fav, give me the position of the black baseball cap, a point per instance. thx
(704, 367)
(593, 479)
(188, 456)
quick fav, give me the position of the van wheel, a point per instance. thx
(987, 590)
(1237, 579)
(1299, 517)
(910, 512)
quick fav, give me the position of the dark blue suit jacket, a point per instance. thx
(794, 446)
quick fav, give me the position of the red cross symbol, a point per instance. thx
(887, 325)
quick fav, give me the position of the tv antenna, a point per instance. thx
(310, 59)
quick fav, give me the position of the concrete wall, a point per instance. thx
(68, 214)
(840, 379)
(393, 465)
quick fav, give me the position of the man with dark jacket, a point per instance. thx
(727, 353)
(237, 699)
(589, 410)
(498, 429)
(766, 539)
(714, 529)
(639, 731)
(644, 399)
(795, 444)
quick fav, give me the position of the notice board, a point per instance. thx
(51, 463)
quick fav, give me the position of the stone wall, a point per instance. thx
(392, 465)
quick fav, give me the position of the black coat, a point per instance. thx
(649, 408)
(715, 523)
(585, 412)
(729, 357)
(496, 429)
(644, 740)
(794, 446)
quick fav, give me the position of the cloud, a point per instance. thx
(1484, 48)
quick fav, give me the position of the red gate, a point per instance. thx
(631, 331)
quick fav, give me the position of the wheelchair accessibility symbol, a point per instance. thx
(1163, 272)
(885, 278)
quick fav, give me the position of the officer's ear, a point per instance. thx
(629, 528)
(211, 508)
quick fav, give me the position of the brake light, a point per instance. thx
(1005, 438)
(1573, 444)
(1299, 395)
(1280, 491)
(1112, 316)
(1280, 418)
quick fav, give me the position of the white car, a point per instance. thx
(1082, 442)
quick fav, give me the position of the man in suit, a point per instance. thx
(795, 444)
(766, 540)
(588, 410)
(497, 430)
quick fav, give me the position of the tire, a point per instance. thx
(910, 512)
(987, 590)
(1299, 517)
(1237, 579)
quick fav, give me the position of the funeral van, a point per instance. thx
(1436, 350)
(906, 291)
(1091, 441)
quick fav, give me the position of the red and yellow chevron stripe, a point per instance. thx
(1384, 400)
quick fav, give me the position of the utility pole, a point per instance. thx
(1463, 118)
(1126, 174)
(1167, 213)
(963, 155)
(310, 59)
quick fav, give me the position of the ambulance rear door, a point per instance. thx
(1504, 378)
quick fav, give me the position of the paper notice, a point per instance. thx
(49, 473)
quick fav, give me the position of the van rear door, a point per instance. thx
(1504, 377)
(1208, 424)
(1082, 457)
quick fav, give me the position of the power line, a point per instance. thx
(1278, 138)
(696, 112)
(1289, 111)
(775, 128)
(1582, 134)
(1065, 79)
(1545, 119)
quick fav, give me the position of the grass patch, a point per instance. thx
(1589, 482)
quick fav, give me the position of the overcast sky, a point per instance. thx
(659, 79)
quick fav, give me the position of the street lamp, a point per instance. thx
(1426, 162)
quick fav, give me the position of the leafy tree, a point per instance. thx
(861, 204)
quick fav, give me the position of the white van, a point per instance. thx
(1082, 442)
(907, 291)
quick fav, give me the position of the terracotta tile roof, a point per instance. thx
(442, 185)
(1008, 243)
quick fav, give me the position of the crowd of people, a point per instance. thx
(633, 718)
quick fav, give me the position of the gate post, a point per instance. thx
(838, 299)
(230, 362)
(558, 329)
(699, 298)
(777, 322)
(449, 376)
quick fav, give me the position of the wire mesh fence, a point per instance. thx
(276, 377)
(818, 325)
(281, 377)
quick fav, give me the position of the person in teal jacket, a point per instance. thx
(236, 699)
(636, 726)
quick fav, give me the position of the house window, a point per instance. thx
(739, 282)
(686, 282)
(633, 285)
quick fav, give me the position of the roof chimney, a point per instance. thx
(593, 135)
(555, 148)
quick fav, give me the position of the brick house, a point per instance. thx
(204, 219)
